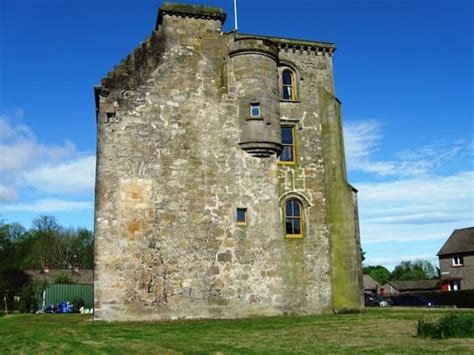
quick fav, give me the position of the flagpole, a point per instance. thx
(235, 15)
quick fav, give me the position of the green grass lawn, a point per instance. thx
(376, 331)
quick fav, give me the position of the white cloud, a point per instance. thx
(363, 139)
(70, 177)
(48, 206)
(420, 193)
(7, 193)
(49, 168)
(19, 148)
(426, 192)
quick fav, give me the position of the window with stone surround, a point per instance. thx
(293, 219)
(288, 85)
(241, 216)
(287, 155)
(255, 110)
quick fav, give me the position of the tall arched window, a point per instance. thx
(288, 85)
(293, 219)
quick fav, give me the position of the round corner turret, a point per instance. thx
(254, 62)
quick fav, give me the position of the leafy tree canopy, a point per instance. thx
(414, 270)
(47, 243)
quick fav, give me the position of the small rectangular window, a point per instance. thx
(287, 155)
(255, 109)
(458, 261)
(241, 215)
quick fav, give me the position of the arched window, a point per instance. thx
(288, 85)
(293, 219)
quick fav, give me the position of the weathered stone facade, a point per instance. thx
(179, 152)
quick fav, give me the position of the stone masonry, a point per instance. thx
(179, 152)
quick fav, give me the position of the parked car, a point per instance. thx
(372, 300)
(412, 300)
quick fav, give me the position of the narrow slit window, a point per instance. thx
(255, 109)
(287, 139)
(293, 219)
(241, 215)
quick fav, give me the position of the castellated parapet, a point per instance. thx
(221, 189)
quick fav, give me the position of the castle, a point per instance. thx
(221, 187)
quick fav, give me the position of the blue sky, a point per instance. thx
(403, 70)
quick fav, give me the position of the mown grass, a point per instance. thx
(378, 331)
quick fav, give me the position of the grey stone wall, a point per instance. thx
(308, 259)
(171, 174)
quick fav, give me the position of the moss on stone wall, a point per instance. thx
(170, 176)
(342, 226)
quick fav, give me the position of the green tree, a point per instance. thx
(46, 224)
(11, 237)
(83, 248)
(46, 243)
(31, 296)
(11, 275)
(59, 248)
(414, 270)
(379, 273)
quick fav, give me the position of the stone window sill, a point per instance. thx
(299, 236)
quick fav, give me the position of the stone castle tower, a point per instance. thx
(221, 186)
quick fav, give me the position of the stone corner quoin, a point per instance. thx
(221, 189)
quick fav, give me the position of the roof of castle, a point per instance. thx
(294, 43)
(190, 10)
(216, 13)
(132, 69)
(461, 241)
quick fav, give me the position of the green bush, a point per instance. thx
(454, 325)
(64, 279)
(31, 296)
